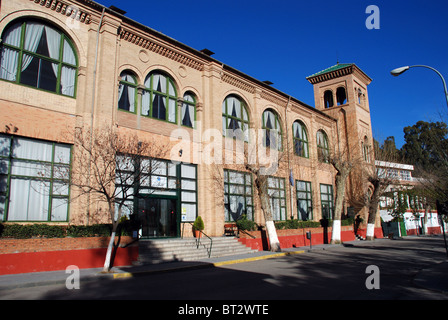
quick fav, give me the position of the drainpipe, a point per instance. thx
(291, 188)
(96, 65)
(347, 145)
(93, 107)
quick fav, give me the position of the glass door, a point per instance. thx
(158, 217)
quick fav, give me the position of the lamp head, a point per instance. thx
(398, 71)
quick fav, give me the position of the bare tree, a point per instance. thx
(262, 162)
(109, 166)
(380, 178)
(369, 183)
(345, 161)
(343, 166)
(261, 184)
(262, 166)
(379, 185)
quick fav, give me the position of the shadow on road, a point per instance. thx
(336, 273)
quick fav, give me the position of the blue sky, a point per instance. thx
(284, 41)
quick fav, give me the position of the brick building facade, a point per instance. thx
(67, 65)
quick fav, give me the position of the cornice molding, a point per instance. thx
(238, 83)
(352, 69)
(331, 75)
(65, 9)
(274, 99)
(149, 44)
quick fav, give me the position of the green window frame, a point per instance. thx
(154, 177)
(304, 200)
(127, 92)
(36, 54)
(159, 99)
(158, 177)
(34, 180)
(323, 148)
(272, 130)
(188, 110)
(238, 195)
(300, 139)
(277, 194)
(235, 118)
(188, 174)
(327, 201)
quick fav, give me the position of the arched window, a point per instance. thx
(323, 149)
(235, 119)
(272, 131)
(341, 96)
(188, 111)
(300, 137)
(36, 54)
(127, 92)
(366, 149)
(360, 96)
(159, 99)
(328, 99)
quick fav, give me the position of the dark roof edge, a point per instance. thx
(270, 88)
(100, 7)
(331, 73)
(204, 56)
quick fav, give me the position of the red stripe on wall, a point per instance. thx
(16, 263)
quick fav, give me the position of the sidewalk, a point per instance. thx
(59, 277)
(434, 278)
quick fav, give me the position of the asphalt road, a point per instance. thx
(338, 272)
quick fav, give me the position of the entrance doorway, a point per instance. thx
(158, 217)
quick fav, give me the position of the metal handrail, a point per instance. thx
(198, 241)
(245, 232)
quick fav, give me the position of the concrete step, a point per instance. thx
(166, 250)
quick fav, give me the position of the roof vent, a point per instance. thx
(207, 52)
(117, 10)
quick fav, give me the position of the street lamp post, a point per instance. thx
(398, 71)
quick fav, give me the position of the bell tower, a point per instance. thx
(341, 92)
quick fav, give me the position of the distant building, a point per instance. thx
(419, 218)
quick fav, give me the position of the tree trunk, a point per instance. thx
(340, 191)
(370, 234)
(110, 247)
(425, 219)
(373, 209)
(274, 243)
(262, 186)
(336, 232)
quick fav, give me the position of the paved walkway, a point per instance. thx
(434, 278)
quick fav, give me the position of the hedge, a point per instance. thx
(299, 224)
(249, 225)
(16, 231)
(244, 224)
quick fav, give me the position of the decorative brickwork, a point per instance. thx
(65, 9)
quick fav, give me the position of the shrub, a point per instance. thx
(348, 222)
(247, 225)
(97, 230)
(296, 224)
(198, 224)
(17, 231)
(34, 230)
(299, 224)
